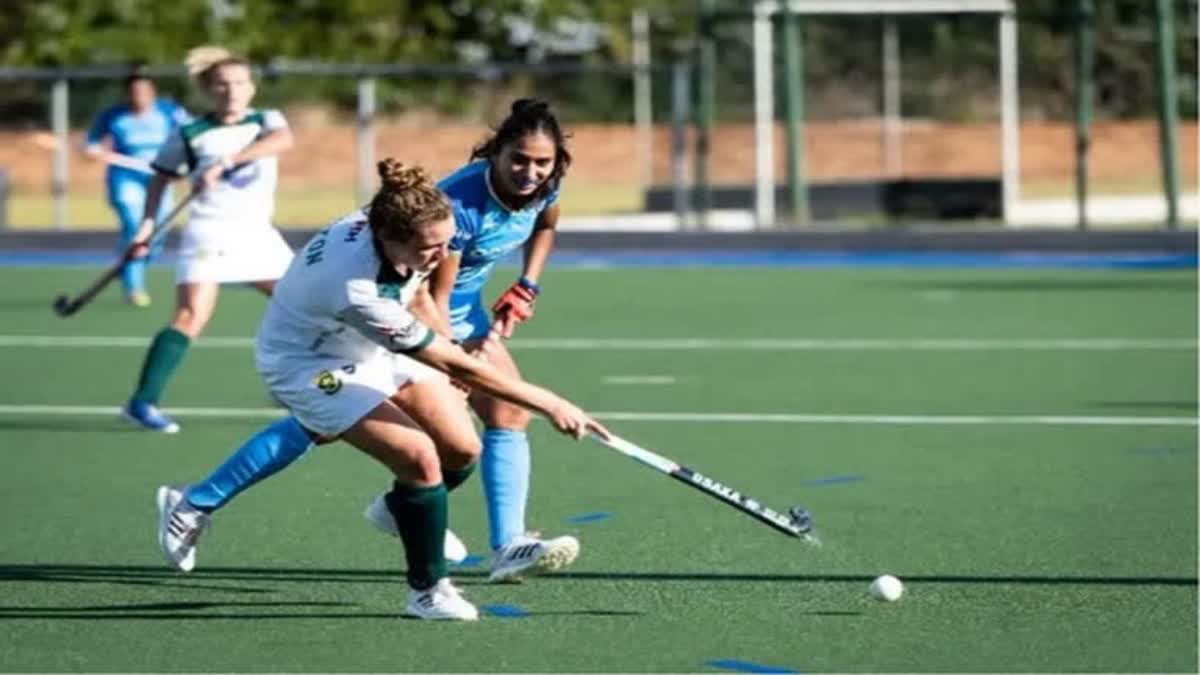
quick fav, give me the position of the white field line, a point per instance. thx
(718, 417)
(690, 344)
(639, 379)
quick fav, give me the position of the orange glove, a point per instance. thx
(515, 305)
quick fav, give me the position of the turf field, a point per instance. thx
(1019, 446)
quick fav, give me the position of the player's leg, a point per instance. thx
(185, 511)
(505, 473)
(427, 397)
(195, 302)
(419, 506)
(133, 275)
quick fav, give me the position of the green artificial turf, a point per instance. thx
(1027, 542)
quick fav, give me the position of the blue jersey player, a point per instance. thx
(503, 200)
(135, 129)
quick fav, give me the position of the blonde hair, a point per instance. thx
(204, 60)
(407, 200)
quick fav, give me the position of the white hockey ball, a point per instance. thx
(887, 588)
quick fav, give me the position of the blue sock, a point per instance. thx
(268, 451)
(504, 472)
(133, 276)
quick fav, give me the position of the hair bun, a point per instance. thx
(200, 59)
(529, 105)
(398, 177)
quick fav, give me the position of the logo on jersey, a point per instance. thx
(328, 382)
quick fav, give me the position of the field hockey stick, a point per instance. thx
(48, 141)
(65, 306)
(797, 523)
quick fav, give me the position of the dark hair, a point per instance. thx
(529, 116)
(407, 199)
(137, 73)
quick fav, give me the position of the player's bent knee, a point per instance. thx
(461, 452)
(186, 321)
(425, 467)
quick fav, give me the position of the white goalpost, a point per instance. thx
(764, 94)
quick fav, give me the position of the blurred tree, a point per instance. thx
(949, 62)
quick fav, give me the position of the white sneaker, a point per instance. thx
(377, 514)
(528, 553)
(441, 602)
(179, 526)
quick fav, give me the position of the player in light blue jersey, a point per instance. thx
(135, 130)
(503, 200)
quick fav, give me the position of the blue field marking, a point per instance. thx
(505, 611)
(589, 517)
(933, 259)
(833, 480)
(746, 258)
(469, 561)
(747, 666)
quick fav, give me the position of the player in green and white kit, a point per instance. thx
(343, 347)
(231, 153)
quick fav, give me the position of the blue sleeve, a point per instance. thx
(551, 198)
(178, 115)
(101, 127)
(466, 226)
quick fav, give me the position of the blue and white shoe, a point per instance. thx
(148, 417)
(530, 554)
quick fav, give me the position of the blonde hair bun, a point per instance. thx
(397, 177)
(200, 59)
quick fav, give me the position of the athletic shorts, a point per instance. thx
(328, 394)
(256, 253)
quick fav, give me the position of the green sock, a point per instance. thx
(421, 514)
(166, 352)
(455, 477)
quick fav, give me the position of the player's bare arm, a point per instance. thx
(154, 193)
(566, 417)
(541, 242)
(429, 312)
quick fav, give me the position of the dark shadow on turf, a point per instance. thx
(161, 578)
(1126, 282)
(152, 575)
(1183, 406)
(69, 425)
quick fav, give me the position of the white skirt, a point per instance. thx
(329, 394)
(231, 254)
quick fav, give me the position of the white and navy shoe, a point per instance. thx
(530, 554)
(442, 602)
(179, 526)
(147, 416)
(377, 514)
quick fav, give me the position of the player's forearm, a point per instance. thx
(274, 143)
(427, 310)
(154, 193)
(479, 374)
(539, 246)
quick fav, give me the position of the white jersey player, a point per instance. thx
(346, 347)
(232, 155)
